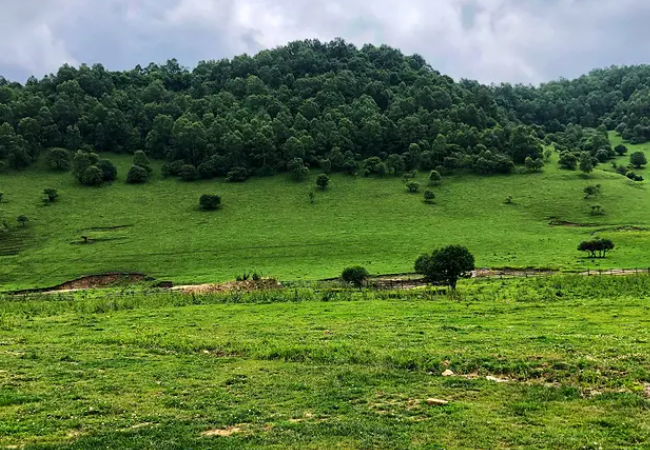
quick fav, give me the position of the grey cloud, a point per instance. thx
(488, 40)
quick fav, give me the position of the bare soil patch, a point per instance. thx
(237, 286)
(91, 282)
(222, 432)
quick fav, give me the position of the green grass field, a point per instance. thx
(269, 225)
(332, 369)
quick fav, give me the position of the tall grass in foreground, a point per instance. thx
(540, 289)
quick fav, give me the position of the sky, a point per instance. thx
(522, 41)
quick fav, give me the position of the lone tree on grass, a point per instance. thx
(596, 248)
(638, 159)
(299, 171)
(620, 149)
(429, 196)
(323, 181)
(355, 275)
(413, 186)
(446, 265)
(209, 202)
(50, 195)
(434, 178)
(22, 220)
(592, 191)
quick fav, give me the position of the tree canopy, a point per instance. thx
(329, 104)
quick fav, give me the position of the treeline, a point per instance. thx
(319, 104)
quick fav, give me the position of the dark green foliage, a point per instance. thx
(586, 163)
(22, 220)
(355, 275)
(140, 159)
(237, 175)
(638, 159)
(620, 150)
(412, 186)
(137, 175)
(446, 265)
(210, 202)
(509, 200)
(188, 172)
(596, 248)
(298, 170)
(568, 160)
(2, 196)
(326, 165)
(534, 165)
(58, 159)
(323, 181)
(108, 169)
(434, 178)
(597, 210)
(206, 170)
(50, 195)
(592, 191)
(633, 176)
(429, 196)
(172, 168)
(91, 176)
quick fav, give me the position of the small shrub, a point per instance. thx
(638, 159)
(188, 173)
(210, 202)
(237, 175)
(50, 195)
(592, 191)
(108, 169)
(429, 196)
(92, 176)
(597, 210)
(434, 178)
(323, 181)
(137, 175)
(140, 159)
(22, 220)
(1, 196)
(413, 186)
(508, 200)
(355, 275)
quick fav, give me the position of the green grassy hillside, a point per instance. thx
(269, 225)
(353, 372)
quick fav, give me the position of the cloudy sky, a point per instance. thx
(526, 41)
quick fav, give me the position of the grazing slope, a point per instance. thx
(269, 225)
(337, 374)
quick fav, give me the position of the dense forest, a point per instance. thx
(311, 103)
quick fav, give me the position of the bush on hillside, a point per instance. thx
(137, 175)
(209, 202)
(355, 275)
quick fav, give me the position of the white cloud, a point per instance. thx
(488, 40)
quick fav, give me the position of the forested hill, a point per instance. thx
(328, 104)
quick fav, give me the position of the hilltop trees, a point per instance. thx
(446, 265)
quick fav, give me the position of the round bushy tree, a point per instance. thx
(638, 159)
(355, 275)
(237, 174)
(434, 178)
(210, 202)
(137, 175)
(413, 186)
(140, 159)
(92, 176)
(50, 195)
(323, 181)
(429, 196)
(620, 149)
(446, 265)
(108, 169)
(59, 159)
(188, 172)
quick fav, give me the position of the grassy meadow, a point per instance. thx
(268, 225)
(568, 358)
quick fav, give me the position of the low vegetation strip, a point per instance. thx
(540, 363)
